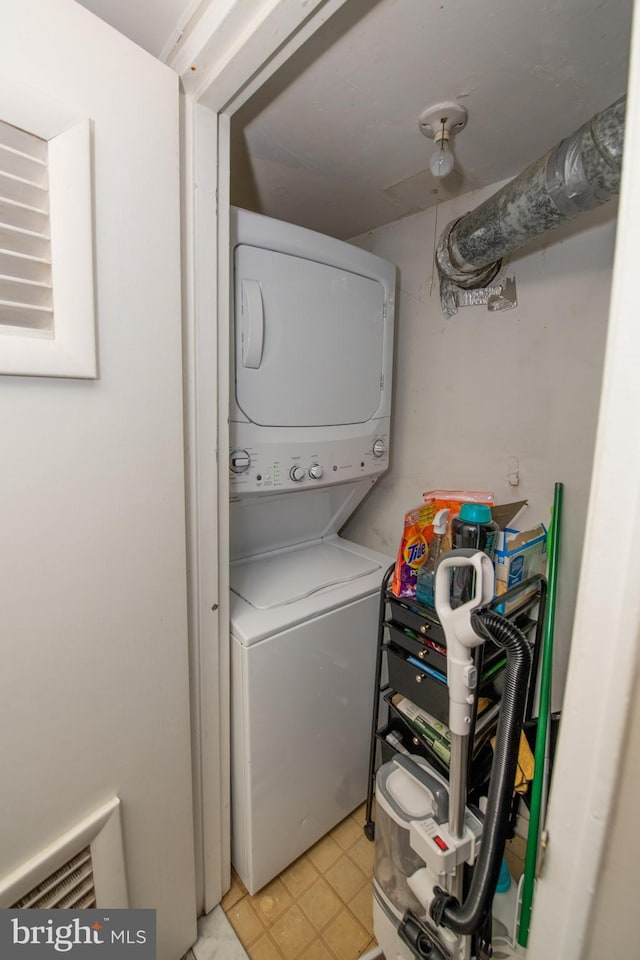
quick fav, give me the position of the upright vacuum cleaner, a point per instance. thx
(437, 861)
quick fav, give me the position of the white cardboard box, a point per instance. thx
(519, 554)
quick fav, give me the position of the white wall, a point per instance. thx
(613, 921)
(94, 678)
(478, 388)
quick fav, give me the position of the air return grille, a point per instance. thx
(69, 887)
(26, 295)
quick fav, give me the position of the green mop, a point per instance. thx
(553, 541)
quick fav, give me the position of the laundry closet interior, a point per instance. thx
(504, 400)
(306, 149)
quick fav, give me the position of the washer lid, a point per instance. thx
(276, 579)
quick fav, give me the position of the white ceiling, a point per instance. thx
(332, 140)
(152, 24)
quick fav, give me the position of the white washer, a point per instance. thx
(303, 671)
(310, 413)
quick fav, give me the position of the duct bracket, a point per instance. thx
(499, 295)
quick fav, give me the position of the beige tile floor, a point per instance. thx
(319, 908)
(514, 855)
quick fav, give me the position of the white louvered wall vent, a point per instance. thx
(70, 887)
(83, 867)
(26, 296)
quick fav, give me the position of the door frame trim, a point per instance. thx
(223, 57)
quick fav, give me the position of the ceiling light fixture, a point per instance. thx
(440, 123)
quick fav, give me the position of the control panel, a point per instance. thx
(270, 468)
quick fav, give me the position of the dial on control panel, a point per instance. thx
(316, 471)
(239, 461)
(297, 474)
(379, 448)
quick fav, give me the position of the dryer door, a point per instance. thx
(308, 341)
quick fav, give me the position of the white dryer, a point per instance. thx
(310, 407)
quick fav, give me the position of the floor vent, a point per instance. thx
(70, 887)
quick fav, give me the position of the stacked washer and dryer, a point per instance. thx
(310, 414)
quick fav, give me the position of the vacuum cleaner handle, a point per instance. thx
(462, 675)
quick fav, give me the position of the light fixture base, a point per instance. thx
(453, 114)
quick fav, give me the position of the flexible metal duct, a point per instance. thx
(580, 173)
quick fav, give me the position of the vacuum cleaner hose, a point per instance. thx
(467, 917)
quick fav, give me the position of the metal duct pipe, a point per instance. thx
(580, 173)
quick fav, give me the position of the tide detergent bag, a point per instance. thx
(418, 533)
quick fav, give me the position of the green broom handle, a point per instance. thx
(553, 539)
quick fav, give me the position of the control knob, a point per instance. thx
(379, 448)
(296, 473)
(239, 461)
(316, 471)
